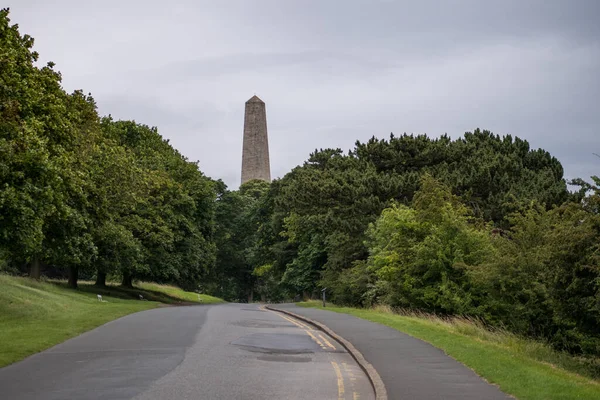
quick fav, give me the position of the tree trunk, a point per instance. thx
(251, 296)
(35, 268)
(101, 279)
(127, 281)
(73, 276)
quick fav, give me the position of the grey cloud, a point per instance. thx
(303, 62)
(146, 111)
(332, 72)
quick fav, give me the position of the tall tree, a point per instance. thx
(28, 171)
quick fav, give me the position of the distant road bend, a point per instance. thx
(230, 351)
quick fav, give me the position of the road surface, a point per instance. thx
(410, 368)
(230, 351)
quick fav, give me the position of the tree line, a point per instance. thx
(481, 226)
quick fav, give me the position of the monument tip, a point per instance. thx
(255, 99)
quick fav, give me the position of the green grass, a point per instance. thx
(176, 292)
(526, 369)
(35, 315)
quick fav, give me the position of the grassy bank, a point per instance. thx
(37, 315)
(526, 369)
(177, 293)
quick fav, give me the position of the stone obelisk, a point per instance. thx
(255, 156)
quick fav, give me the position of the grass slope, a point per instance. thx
(37, 315)
(524, 368)
(175, 292)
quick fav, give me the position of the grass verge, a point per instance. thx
(526, 369)
(35, 315)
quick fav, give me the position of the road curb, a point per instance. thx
(374, 378)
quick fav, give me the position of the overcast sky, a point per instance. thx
(332, 71)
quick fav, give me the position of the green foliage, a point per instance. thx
(324, 208)
(421, 254)
(545, 279)
(236, 227)
(169, 211)
(481, 226)
(320, 211)
(28, 167)
(84, 195)
(539, 278)
(494, 175)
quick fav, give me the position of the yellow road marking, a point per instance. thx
(336, 367)
(316, 339)
(292, 321)
(297, 323)
(327, 342)
(302, 326)
(355, 394)
(340, 380)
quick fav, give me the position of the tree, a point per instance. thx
(172, 218)
(235, 236)
(325, 206)
(544, 279)
(28, 171)
(421, 255)
(82, 194)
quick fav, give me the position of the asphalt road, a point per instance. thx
(231, 351)
(409, 367)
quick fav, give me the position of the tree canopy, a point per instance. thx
(84, 194)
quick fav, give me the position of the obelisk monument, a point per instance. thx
(255, 156)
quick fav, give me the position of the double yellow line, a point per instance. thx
(325, 344)
(316, 336)
(340, 380)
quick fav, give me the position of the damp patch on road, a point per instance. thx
(277, 343)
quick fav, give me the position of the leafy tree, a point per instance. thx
(544, 280)
(271, 252)
(173, 212)
(420, 255)
(494, 175)
(43, 165)
(235, 236)
(325, 206)
(28, 171)
(68, 242)
(80, 194)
